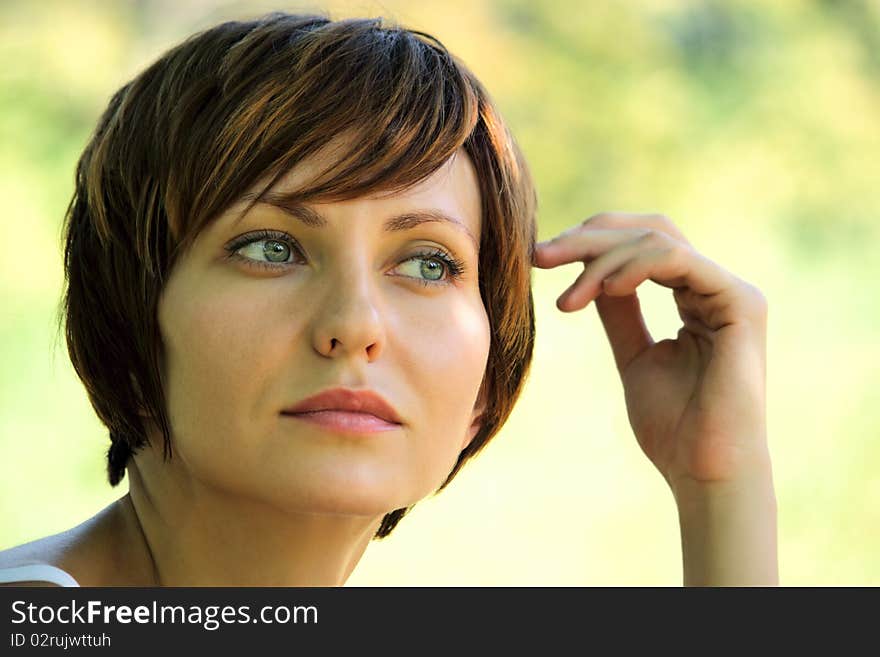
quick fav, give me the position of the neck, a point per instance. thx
(207, 537)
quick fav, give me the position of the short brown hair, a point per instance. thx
(243, 100)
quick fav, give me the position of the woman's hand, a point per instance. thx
(697, 404)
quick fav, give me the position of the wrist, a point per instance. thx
(700, 497)
(729, 531)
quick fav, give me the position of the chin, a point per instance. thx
(342, 494)
(366, 497)
(353, 484)
(353, 504)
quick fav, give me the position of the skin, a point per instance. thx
(256, 499)
(697, 403)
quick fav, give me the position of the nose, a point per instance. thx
(349, 318)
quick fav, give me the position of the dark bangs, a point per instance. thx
(282, 92)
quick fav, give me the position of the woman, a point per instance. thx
(299, 246)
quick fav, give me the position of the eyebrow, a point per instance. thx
(406, 221)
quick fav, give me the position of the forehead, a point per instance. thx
(453, 189)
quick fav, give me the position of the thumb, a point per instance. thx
(625, 327)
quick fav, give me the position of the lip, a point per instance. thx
(345, 421)
(360, 402)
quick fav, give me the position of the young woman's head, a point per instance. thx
(281, 206)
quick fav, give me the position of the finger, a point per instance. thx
(693, 324)
(588, 285)
(599, 266)
(583, 245)
(671, 265)
(741, 302)
(675, 265)
(653, 221)
(636, 224)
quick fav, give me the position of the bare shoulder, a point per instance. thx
(97, 552)
(43, 550)
(49, 551)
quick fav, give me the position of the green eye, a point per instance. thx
(271, 250)
(264, 249)
(433, 264)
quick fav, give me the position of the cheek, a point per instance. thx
(214, 354)
(446, 347)
(448, 365)
(461, 345)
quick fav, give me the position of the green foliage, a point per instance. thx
(754, 125)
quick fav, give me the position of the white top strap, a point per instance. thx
(37, 572)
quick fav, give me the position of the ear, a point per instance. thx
(472, 431)
(477, 417)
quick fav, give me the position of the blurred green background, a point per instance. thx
(754, 125)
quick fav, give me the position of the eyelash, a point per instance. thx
(455, 268)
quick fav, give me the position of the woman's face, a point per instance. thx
(349, 304)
